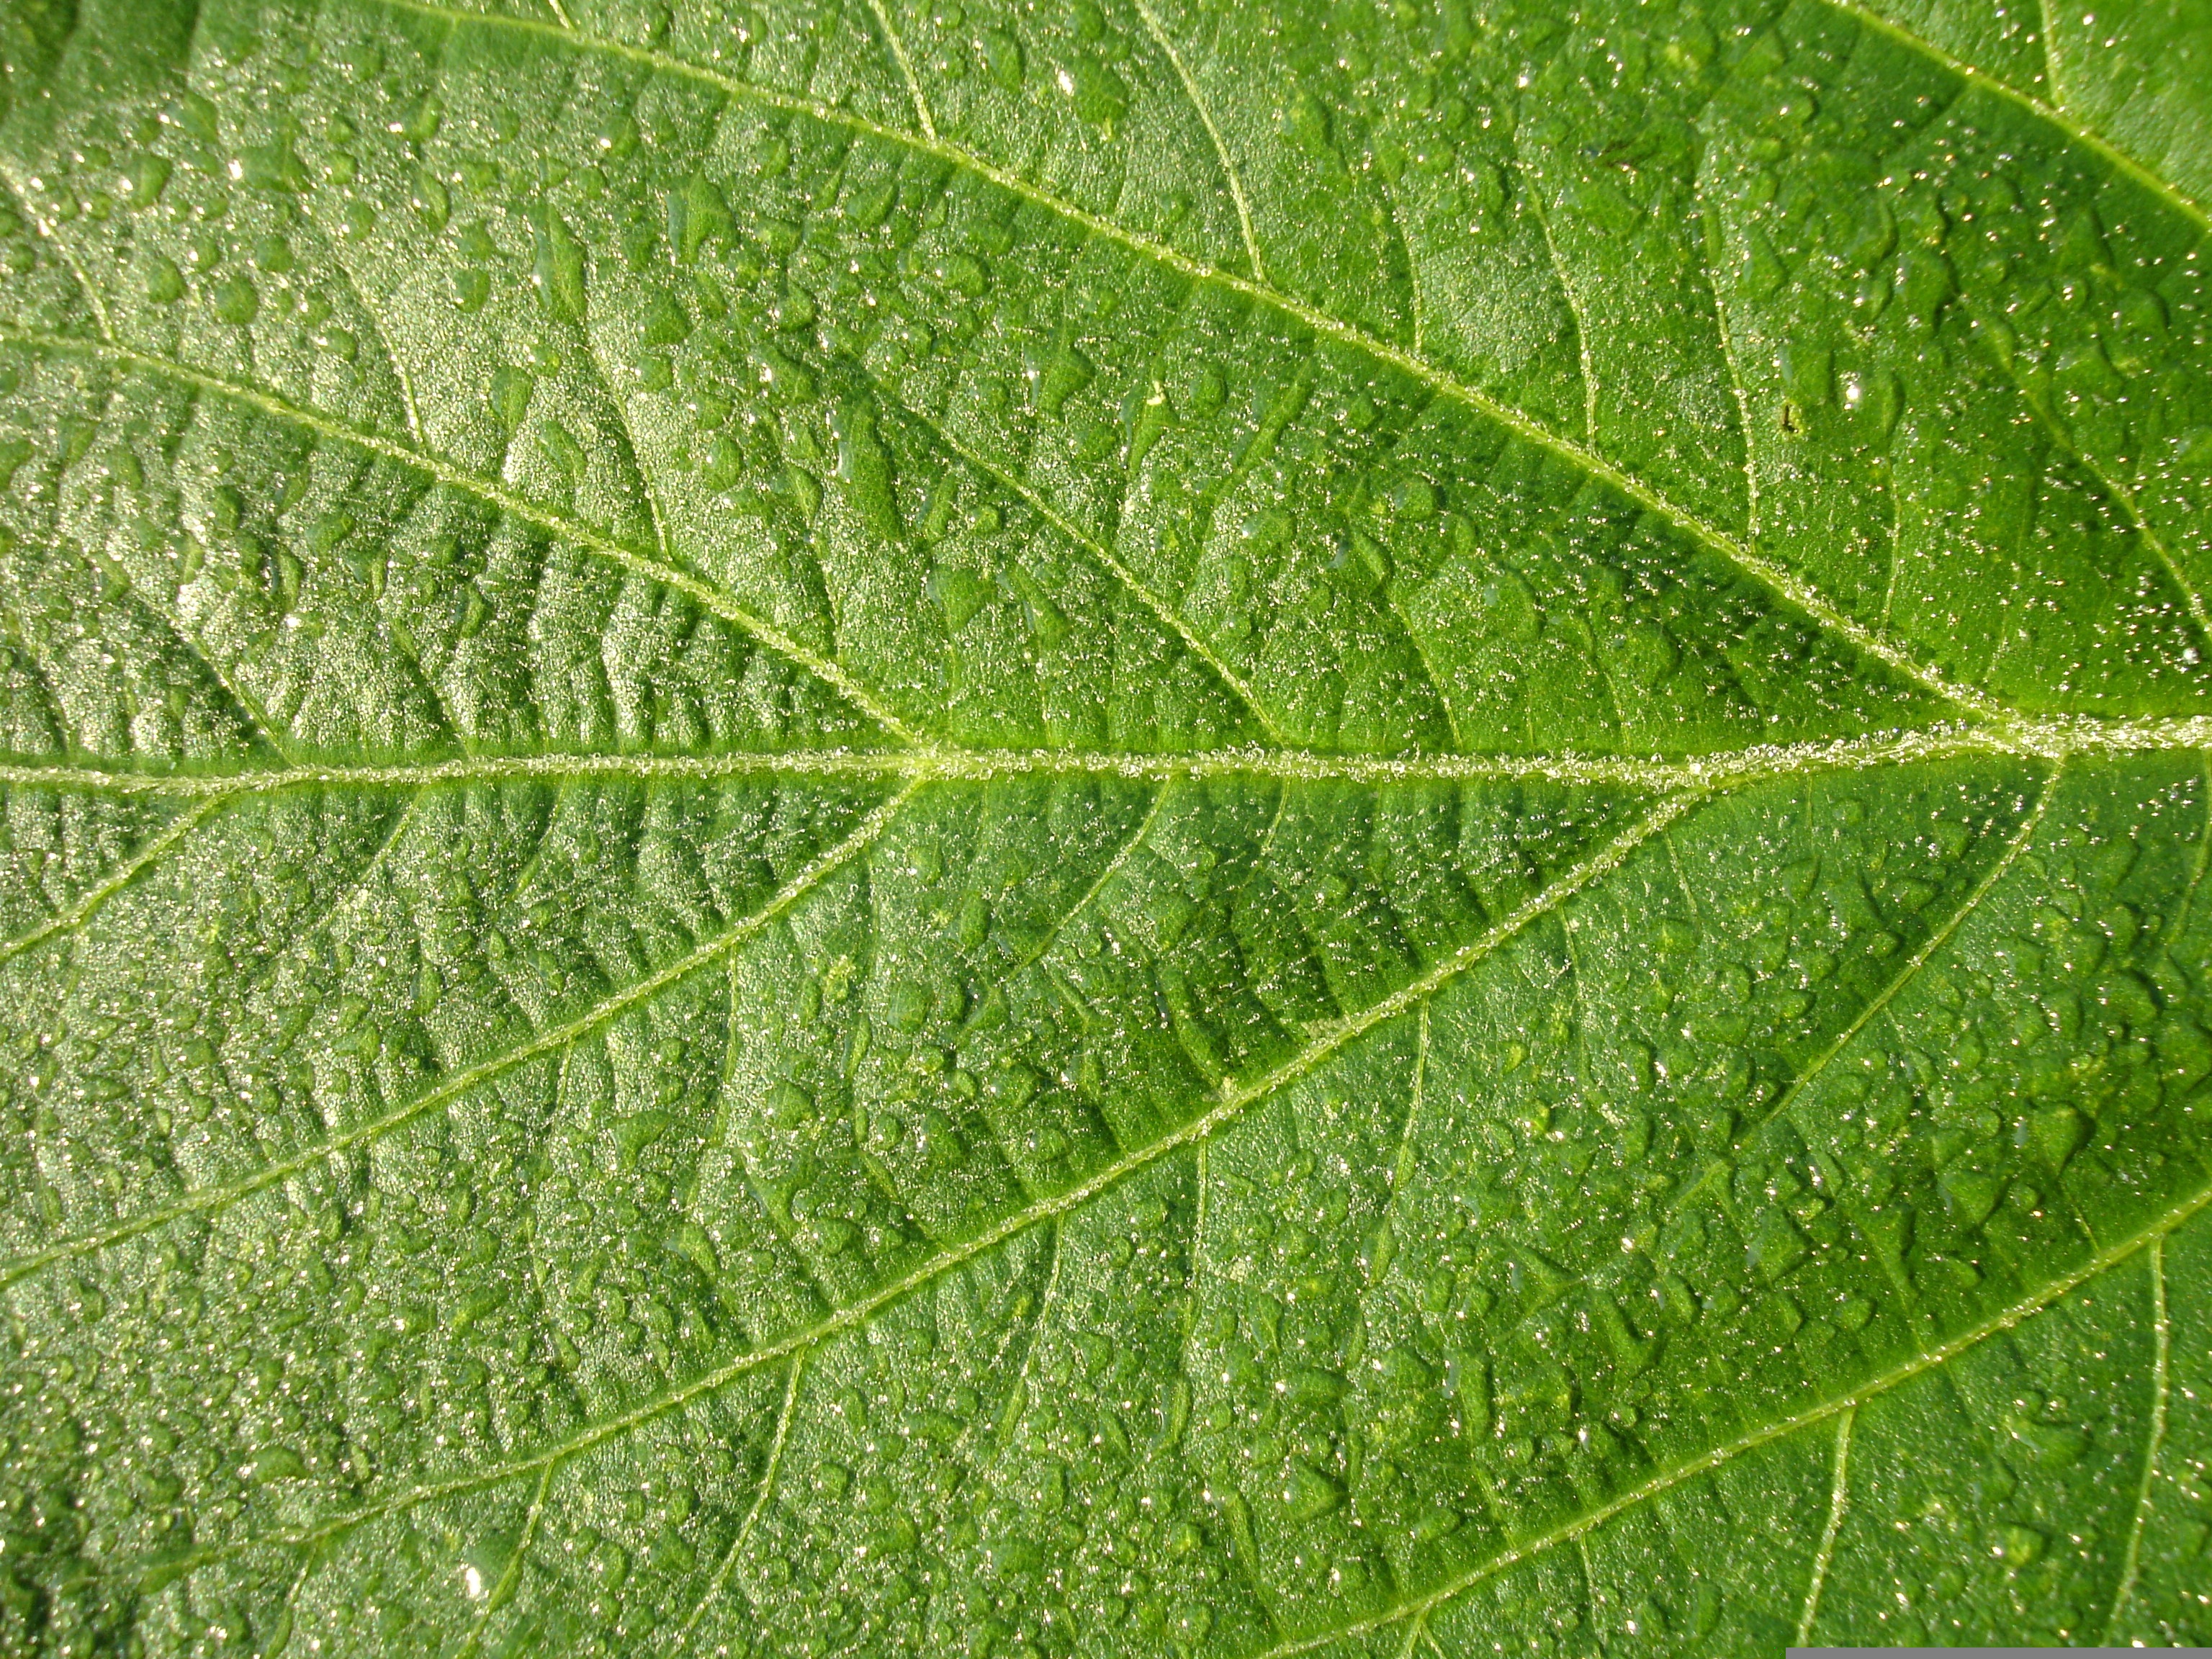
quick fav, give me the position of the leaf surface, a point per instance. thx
(847, 828)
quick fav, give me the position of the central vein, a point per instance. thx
(2040, 740)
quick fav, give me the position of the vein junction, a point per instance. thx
(1680, 783)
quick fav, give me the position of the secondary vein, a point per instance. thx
(583, 535)
(1867, 17)
(1666, 1479)
(1235, 1099)
(208, 1199)
(1793, 589)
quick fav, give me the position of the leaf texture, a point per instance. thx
(1135, 827)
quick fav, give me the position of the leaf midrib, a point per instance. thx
(1998, 729)
(925, 761)
(2034, 740)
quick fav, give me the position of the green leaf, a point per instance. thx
(849, 827)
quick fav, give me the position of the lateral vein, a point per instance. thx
(1666, 1479)
(2187, 206)
(1785, 583)
(1838, 1499)
(2161, 1386)
(1235, 1099)
(497, 496)
(208, 1200)
(1229, 174)
(151, 854)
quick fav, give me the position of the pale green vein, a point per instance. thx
(748, 1177)
(1018, 1396)
(648, 487)
(1420, 644)
(2049, 18)
(1115, 865)
(1415, 303)
(729, 1562)
(2041, 741)
(897, 48)
(1712, 237)
(493, 494)
(152, 852)
(1106, 556)
(1180, 1400)
(206, 1201)
(387, 343)
(2122, 494)
(1024, 1328)
(1533, 191)
(511, 1574)
(280, 1632)
(2055, 115)
(1401, 1167)
(1935, 942)
(1838, 1496)
(51, 235)
(1905, 973)
(1234, 1100)
(2161, 1389)
(255, 714)
(1590, 1601)
(2196, 869)
(465, 771)
(257, 717)
(2006, 738)
(1220, 145)
(1668, 1479)
(1244, 1550)
(1779, 579)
